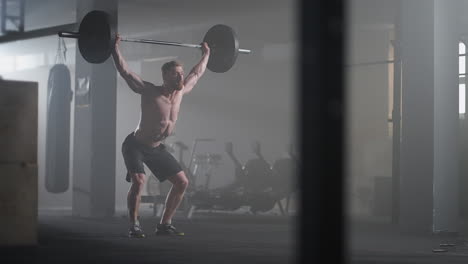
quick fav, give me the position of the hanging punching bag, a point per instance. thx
(59, 95)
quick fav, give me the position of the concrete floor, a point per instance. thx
(382, 243)
(210, 238)
(221, 238)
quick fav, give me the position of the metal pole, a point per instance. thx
(4, 17)
(21, 16)
(396, 119)
(370, 63)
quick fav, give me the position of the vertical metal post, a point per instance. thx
(21, 16)
(323, 104)
(396, 118)
(4, 17)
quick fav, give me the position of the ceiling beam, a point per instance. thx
(43, 32)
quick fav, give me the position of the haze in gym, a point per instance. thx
(406, 131)
(63, 195)
(82, 122)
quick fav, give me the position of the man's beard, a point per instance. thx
(177, 85)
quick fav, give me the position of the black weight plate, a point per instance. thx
(97, 37)
(224, 47)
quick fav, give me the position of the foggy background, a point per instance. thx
(255, 100)
(369, 91)
(371, 38)
(406, 188)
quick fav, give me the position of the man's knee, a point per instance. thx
(138, 181)
(180, 181)
(183, 184)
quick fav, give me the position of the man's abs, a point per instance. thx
(154, 133)
(158, 117)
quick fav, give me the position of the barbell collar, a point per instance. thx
(69, 34)
(244, 51)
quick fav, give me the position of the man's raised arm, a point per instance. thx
(133, 80)
(198, 70)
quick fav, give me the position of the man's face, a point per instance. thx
(174, 78)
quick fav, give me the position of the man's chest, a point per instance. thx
(166, 106)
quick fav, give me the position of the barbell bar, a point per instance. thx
(170, 43)
(96, 38)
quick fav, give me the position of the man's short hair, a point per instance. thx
(169, 65)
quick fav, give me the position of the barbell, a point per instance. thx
(96, 39)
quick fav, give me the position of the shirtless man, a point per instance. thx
(159, 110)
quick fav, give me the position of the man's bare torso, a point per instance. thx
(159, 114)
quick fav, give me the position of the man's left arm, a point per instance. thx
(198, 70)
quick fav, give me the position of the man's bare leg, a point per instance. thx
(174, 197)
(134, 198)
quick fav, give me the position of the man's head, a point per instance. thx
(173, 75)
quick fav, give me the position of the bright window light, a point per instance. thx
(7, 64)
(461, 48)
(461, 98)
(461, 65)
(29, 61)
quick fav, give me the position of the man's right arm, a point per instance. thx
(133, 80)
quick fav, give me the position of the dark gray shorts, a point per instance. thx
(161, 163)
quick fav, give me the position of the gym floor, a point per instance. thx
(220, 238)
(372, 242)
(210, 238)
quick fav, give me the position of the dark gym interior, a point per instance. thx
(309, 131)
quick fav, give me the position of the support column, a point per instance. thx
(95, 128)
(446, 117)
(429, 148)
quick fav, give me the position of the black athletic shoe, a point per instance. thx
(166, 229)
(136, 232)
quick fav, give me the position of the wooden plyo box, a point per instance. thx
(18, 163)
